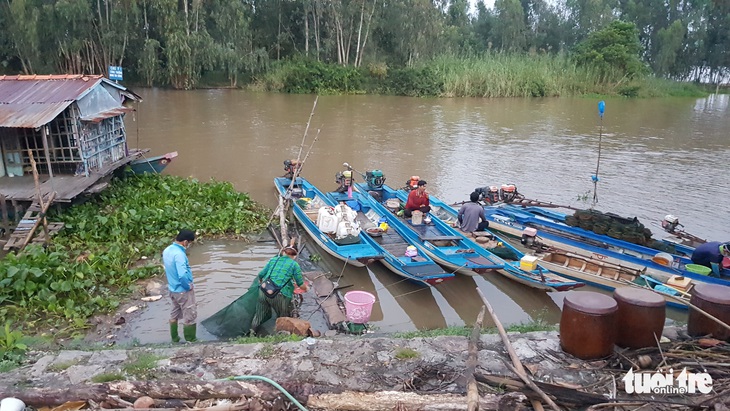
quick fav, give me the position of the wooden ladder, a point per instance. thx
(33, 218)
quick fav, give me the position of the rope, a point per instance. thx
(270, 381)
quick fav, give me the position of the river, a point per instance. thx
(658, 157)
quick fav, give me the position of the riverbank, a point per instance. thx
(353, 373)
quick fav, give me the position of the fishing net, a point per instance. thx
(235, 319)
(612, 225)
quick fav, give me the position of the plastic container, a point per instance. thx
(715, 299)
(588, 325)
(417, 217)
(528, 263)
(639, 318)
(698, 269)
(12, 404)
(358, 306)
(411, 251)
(665, 259)
(327, 221)
(529, 231)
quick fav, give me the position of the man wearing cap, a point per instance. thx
(417, 200)
(710, 255)
(471, 215)
(180, 284)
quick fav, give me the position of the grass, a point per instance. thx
(406, 354)
(61, 366)
(142, 366)
(461, 331)
(8, 365)
(532, 326)
(108, 377)
(273, 339)
(266, 352)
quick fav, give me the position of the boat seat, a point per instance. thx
(441, 238)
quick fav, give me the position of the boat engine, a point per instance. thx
(670, 223)
(344, 180)
(412, 184)
(375, 179)
(508, 193)
(291, 167)
(489, 194)
(530, 239)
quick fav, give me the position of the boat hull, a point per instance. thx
(152, 165)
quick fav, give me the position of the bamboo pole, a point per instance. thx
(472, 391)
(519, 369)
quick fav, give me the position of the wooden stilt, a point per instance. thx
(38, 192)
(472, 391)
(4, 212)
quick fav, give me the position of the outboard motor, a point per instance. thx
(412, 184)
(344, 180)
(508, 192)
(375, 179)
(488, 194)
(529, 238)
(670, 223)
(291, 167)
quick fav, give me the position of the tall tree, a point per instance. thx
(509, 28)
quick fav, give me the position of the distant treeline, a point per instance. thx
(409, 47)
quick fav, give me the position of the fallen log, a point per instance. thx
(389, 400)
(564, 395)
(46, 397)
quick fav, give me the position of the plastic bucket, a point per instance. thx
(359, 306)
(698, 269)
(665, 259)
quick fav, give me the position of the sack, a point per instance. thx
(270, 289)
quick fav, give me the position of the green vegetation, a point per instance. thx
(272, 339)
(315, 46)
(97, 258)
(532, 326)
(142, 366)
(452, 330)
(406, 353)
(12, 349)
(266, 352)
(108, 377)
(60, 366)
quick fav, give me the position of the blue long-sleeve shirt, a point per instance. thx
(177, 268)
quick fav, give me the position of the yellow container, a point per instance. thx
(528, 263)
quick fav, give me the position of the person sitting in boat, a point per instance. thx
(417, 200)
(710, 254)
(471, 215)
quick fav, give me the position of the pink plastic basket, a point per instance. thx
(359, 306)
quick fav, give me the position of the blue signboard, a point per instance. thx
(115, 73)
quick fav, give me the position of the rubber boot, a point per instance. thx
(173, 332)
(189, 331)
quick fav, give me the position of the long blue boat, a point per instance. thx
(358, 254)
(152, 165)
(541, 213)
(392, 242)
(586, 243)
(456, 252)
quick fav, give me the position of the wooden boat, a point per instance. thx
(511, 255)
(152, 164)
(359, 253)
(392, 243)
(611, 276)
(582, 242)
(457, 252)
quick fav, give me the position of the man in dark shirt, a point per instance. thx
(710, 255)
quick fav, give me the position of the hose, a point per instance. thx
(270, 381)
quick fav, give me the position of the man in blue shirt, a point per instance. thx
(180, 285)
(710, 254)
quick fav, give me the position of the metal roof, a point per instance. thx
(32, 101)
(107, 114)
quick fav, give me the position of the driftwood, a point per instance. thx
(40, 397)
(395, 400)
(472, 359)
(518, 367)
(564, 395)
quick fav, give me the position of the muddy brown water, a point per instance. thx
(658, 156)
